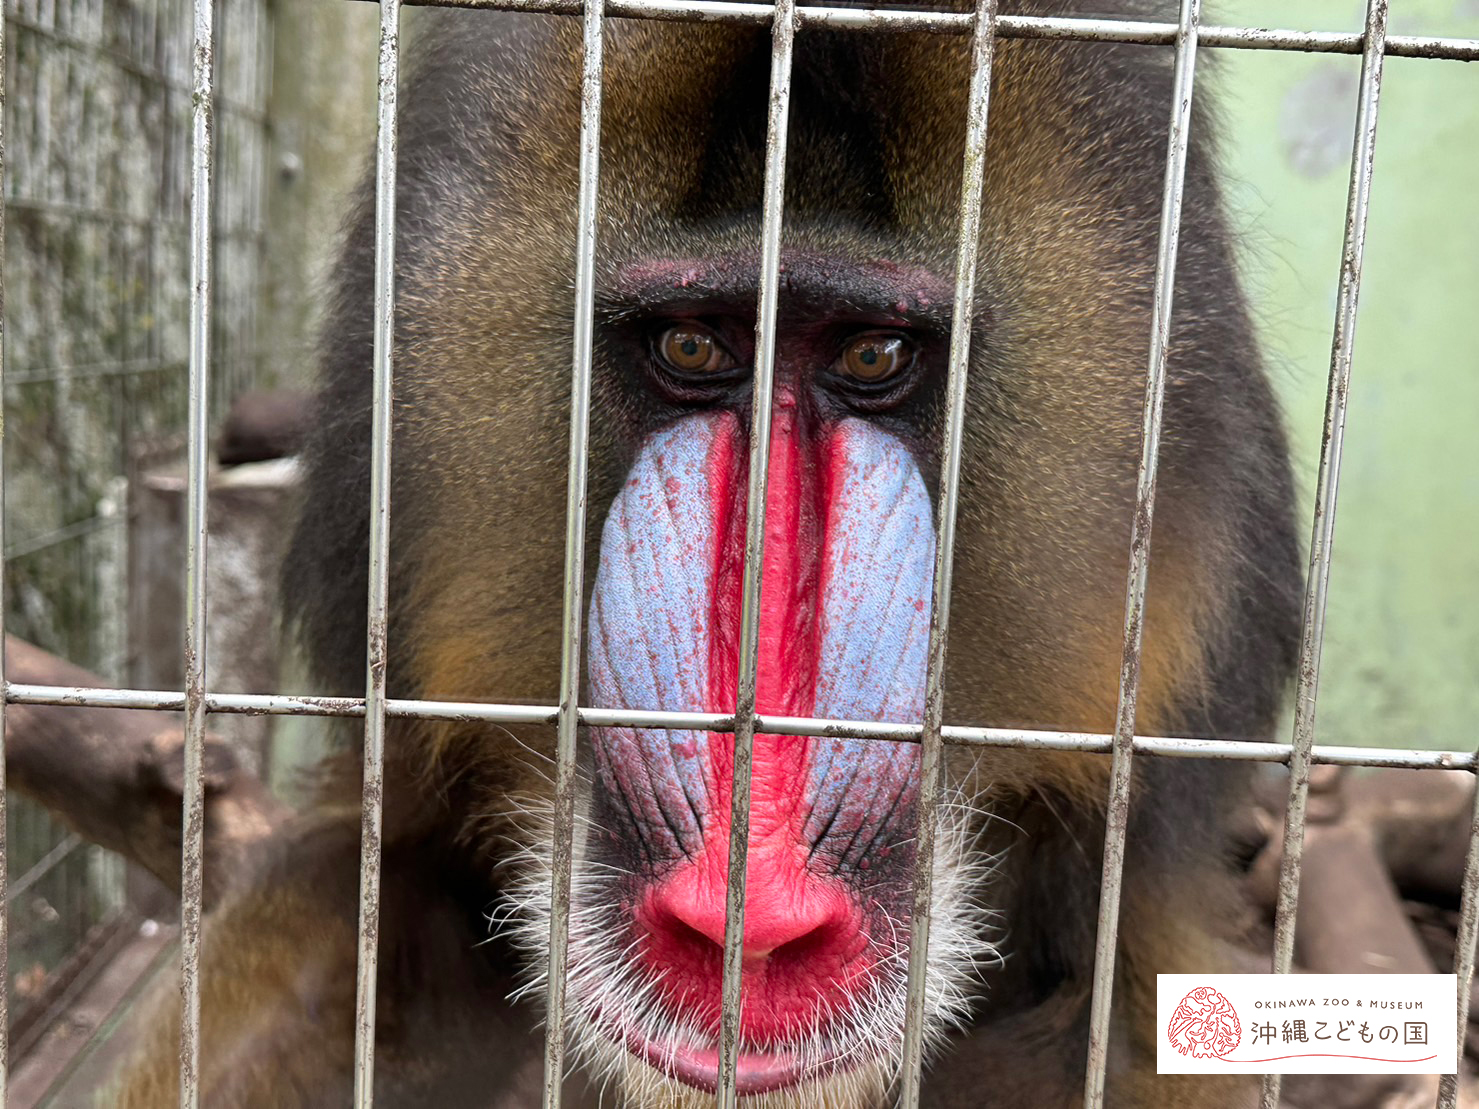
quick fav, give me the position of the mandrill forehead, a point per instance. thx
(848, 282)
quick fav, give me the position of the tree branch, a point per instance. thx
(116, 777)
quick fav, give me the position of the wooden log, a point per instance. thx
(1420, 823)
(1351, 919)
(116, 777)
(268, 423)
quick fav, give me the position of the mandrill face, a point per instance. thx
(844, 617)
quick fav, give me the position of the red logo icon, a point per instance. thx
(1204, 1025)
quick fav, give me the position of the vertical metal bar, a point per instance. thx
(1117, 816)
(575, 513)
(193, 816)
(1322, 532)
(931, 758)
(377, 603)
(783, 40)
(4, 682)
(1463, 961)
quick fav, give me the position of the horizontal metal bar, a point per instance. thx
(487, 712)
(1132, 32)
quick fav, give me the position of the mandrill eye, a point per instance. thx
(876, 357)
(692, 349)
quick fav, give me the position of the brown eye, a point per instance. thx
(692, 349)
(871, 359)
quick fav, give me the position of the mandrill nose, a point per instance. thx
(781, 920)
(805, 949)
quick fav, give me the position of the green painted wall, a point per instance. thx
(1401, 665)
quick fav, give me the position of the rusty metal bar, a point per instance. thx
(1089, 743)
(931, 756)
(1322, 534)
(193, 802)
(1128, 31)
(1463, 953)
(783, 38)
(377, 604)
(5, 893)
(1117, 815)
(575, 513)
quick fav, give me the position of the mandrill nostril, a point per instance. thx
(793, 924)
(830, 935)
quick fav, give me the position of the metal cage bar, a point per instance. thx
(5, 893)
(377, 603)
(193, 802)
(1083, 29)
(1092, 743)
(575, 513)
(931, 755)
(1322, 532)
(783, 40)
(1463, 952)
(1117, 816)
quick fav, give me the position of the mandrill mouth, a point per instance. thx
(813, 1032)
(686, 1049)
(698, 1066)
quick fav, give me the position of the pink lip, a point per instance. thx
(699, 1066)
(757, 1072)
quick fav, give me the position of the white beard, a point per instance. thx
(856, 1059)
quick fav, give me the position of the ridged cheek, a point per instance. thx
(876, 592)
(848, 565)
(878, 573)
(648, 635)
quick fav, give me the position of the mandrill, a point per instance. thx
(1060, 328)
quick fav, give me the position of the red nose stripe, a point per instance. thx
(789, 629)
(805, 947)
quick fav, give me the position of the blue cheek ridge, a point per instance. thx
(648, 638)
(875, 615)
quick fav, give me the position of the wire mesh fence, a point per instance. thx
(97, 104)
(211, 367)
